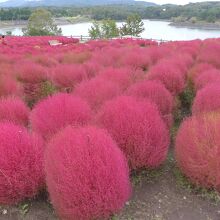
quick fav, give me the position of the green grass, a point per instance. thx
(47, 88)
(148, 175)
(185, 183)
(24, 208)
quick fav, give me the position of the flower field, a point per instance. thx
(79, 120)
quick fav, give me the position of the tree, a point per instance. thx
(134, 26)
(211, 18)
(95, 30)
(41, 23)
(104, 29)
(193, 20)
(109, 29)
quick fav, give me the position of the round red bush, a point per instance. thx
(96, 91)
(137, 58)
(198, 149)
(207, 99)
(55, 112)
(197, 69)
(87, 174)
(9, 86)
(14, 109)
(157, 93)
(68, 75)
(207, 77)
(92, 68)
(210, 52)
(31, 72)
(21, 174)
(124, 77)
(170, 75)
(138, 129)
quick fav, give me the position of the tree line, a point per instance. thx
(41, 23)
(206, 11)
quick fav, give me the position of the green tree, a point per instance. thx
(95, 30)
(134, 26)
(41, 23)
(193, 20)
(211, 18)
(104, 29)
(109, 29)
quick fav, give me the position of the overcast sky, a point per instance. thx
(180, 2)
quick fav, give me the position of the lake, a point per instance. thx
(153, 29)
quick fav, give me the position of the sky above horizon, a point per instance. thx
(179, 2)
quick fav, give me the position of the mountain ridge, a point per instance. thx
(58, 3)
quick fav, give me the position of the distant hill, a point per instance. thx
(35, 3)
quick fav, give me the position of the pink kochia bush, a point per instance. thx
(157, 93)
(21, 162)
(86, 173)
(14, 109)
(31, 72)
(197, 69)
(207, 99)
(96, 91)
(138, 129)
(68, 75)
(56, 112)
(168, 74)
(198, 149)
(124, 77)
(206, 77)
(9, 86)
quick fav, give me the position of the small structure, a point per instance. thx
(54, 42)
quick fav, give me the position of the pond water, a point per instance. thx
(153, 29)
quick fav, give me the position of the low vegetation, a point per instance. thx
(84, 121)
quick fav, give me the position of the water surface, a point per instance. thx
(153, 29)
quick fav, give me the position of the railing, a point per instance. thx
(88, 38)
(83, 38)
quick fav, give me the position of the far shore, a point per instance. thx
(204, 26)
(76, 20)
(58, 21)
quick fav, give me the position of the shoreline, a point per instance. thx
(58, 21)
(78, 20)
(202, 26)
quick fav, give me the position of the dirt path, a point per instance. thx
(158, 195)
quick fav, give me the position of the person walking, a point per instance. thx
(2, 40)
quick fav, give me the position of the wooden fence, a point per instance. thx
(88, 38)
